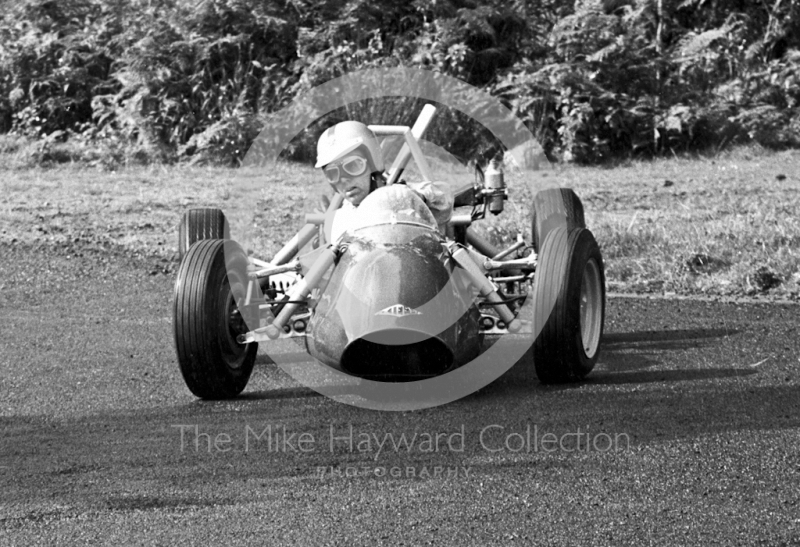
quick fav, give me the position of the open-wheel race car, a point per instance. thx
(396, 298)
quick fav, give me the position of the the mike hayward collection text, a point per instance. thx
(341, 439)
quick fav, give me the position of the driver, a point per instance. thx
(352, 161)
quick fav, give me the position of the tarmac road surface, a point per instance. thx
(687, 432)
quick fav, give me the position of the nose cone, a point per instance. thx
(392, 312)
(396, 288)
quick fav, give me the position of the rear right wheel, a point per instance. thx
(199, 224)
(569, 305)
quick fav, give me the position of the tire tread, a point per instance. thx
(557, 351)
(199, 355)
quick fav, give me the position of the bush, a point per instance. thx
(52, 63)
(170, 80)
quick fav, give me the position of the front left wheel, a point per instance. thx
(569, 297)
(211, 282)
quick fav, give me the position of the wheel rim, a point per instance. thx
(231, 325)
(591, 315)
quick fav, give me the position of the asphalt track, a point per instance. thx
(692, 423)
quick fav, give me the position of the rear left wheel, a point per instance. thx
(554, 207)
(211, 282)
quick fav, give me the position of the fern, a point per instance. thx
(593, 79)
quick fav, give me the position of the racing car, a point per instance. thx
(396, 298)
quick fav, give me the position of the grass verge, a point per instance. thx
(725, 226)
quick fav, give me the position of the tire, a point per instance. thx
(198, 224)
(211, 278)
(569, 298)
(555, 207)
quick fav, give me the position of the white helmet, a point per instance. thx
(341, 139)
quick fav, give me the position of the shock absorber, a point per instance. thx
(495, 187)
(487, 290)
(302, 289)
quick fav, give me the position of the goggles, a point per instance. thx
(351, 165)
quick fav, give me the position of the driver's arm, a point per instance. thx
(437, 197)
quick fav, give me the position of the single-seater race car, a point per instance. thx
(393, 299)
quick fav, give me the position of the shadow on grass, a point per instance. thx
(622, 354)
(645, 404)
(623, 358)
(279, 393)
(646, 376)
(652, 337)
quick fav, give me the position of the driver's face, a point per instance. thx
(354, 189)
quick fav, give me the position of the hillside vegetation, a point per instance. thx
(111, 81)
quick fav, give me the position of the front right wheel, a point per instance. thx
(212, 281)
(569, 296)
